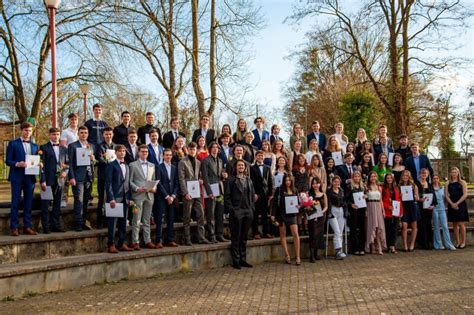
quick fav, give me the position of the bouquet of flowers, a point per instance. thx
(135, 209)
(308, 205)
(62, 168)
(220, 199)
(93, 160)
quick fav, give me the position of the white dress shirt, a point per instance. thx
(144, 164)
(56, 151)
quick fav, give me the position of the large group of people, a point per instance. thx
(264, 184)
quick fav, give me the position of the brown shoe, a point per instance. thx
(257, 237)
(171, 244)
(159, 245)
(150, 245)
(14, 232)
(29, 231)
(125, 248)
(112, 250)
(136, 246)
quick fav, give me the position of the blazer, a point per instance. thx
(50, 164)
(378, 150)
(210, 136)
(152, 158)
(321, 140)
(117, 187)
(79, 173)
(234, 194)
(224, 157)
(186, 173)
(273, 138)
(257, 141)
(424, 163)
(168, 186)
(100, 157)
(168, 139)
(211, 172)
(16, 153)
(138, 179)
(128, 155)
(343, 173)
(263, 185)
(249, 154)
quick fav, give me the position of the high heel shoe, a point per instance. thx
(298, 261)
(288, 260)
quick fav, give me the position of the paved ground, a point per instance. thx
(420, 282)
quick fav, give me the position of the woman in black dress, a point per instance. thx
(330, 171)
(365, 166)
(357, 215)
(456, 194)
(425, 227)
(411, 213)
(316, 225)
(397, 167)
(301, 174)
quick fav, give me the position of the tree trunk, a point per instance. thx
(195, 60)
(212, 59)
(173, 103)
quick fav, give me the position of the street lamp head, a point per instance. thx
(53, 3)
(84, 88)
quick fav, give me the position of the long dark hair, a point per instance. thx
(283, 187)
(313, 181)
(235, 167)
(389, 187)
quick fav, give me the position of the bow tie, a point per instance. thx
(144, 163)
(55, 144)
(122, 162)
(260, 164)
(26, 141)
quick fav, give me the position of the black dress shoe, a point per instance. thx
(204, 241)
(236, 266)
(188, 243)
(245, 264)
(221, 239)
(58, 230)
(46, 232)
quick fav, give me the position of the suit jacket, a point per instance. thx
(129, 156)
(152, 158)
(117, 187)
(211, 173)
(234, 194)
(263, 185)
(100, 157)
(80, 173)
(257, 141)
(50, 164)
(321, 140)
(230, 167)
(168, 186)
(424, 163)
(186, 173)
(138, 179)
(378, 150)
(249, 154)
(168, 139)
(16, 153)
(210, 136)
(224, 157)
(273, 138)
(343, 173)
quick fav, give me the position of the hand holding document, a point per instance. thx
(32, 164)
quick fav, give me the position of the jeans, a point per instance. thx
(440, 218)
(338, 223)
(82, 194)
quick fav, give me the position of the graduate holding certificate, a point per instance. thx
(356, 200)
(393, 211)
(411, 213)
(316, 221)
(426, 206)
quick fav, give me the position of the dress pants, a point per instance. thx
(100, 204)
(440, 218)
(356, 224)
(261, 208)
(50, 221)
(161, 207)
(338, 223)
(425, 229)
(240, 222)
(391, 227)
(119, 224)
(219, 215)
(145, 207)
(16, 189)
(82, 193)
(188, 206)
(211, 218)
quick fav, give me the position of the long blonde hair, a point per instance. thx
(460, 180)
(338, 145)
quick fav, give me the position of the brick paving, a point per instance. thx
(419, 282)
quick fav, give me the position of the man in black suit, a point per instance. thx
(417, 161)
(117, 186)
(170, 136)
(275, 134)
(122, 130)
(54, 161)
(165, 197)
(403, 148)
(237, 154)
(131, 147)
(346, 170)
(143, 131)
(102, 159)
(81, 178)
(261, 176)
(205, 131)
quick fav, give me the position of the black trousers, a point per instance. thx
(219, 217)
(50, 221)
(425, 229)
(101, 220)
(316, 233)
(357, 229)
(261, 208)
(391, 227)
(240, 222)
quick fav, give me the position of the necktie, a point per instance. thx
(122, 162)
(175, 135)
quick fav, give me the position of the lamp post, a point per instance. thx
(85, 90)
(52, 7)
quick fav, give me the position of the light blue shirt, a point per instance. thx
(416, 160)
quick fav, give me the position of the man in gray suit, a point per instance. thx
(142, 171)
(213, 172)
(188, 170)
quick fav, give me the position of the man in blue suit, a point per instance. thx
(225, 153)
(382, 147)
(117, 190)
(417, 161)
(16, 156)
(259, 134)
(54, 160)
(101, 157)
(318, 135)
(165, 196)
(81, 178)
(155, 150)
(346, 170)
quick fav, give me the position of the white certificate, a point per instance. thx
(317, 214)
(110, 155)
(277, 180)
(47, 194)
(151, 184)
(390, 158)
(83, 157)
(291, 204)
(407, 193)
(337, 156)
(395, 208)
(359, 199)
(428, 201)
(147, 138)
(116, 212)
(32, 164)
(215, 190)
(193, 188)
